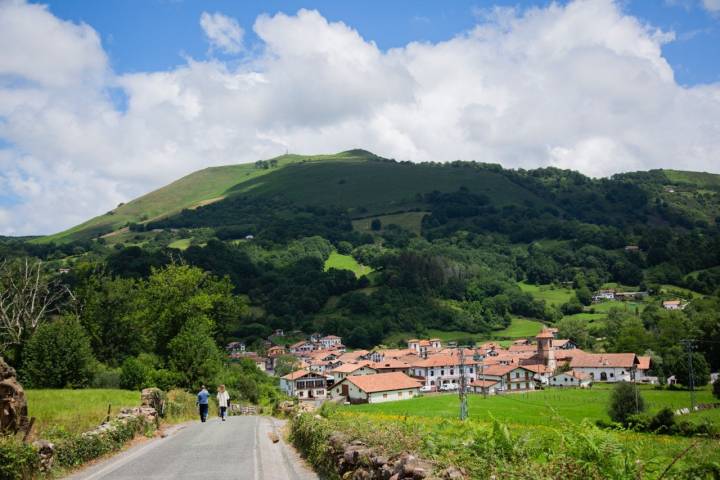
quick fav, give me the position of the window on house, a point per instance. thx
(452, 372)
(442, 372)
(612, 375)
(471, 370)
(384, 395)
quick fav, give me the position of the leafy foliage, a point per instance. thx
(625, 401)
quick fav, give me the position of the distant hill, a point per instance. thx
(367, 185)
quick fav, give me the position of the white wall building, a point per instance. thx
(304, 385)
(606, 367)
(383, 387)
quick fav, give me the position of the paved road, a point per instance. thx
(239, 448)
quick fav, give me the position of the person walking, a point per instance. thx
(223, 399)
(202, 403)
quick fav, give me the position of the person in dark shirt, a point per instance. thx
(202, 402)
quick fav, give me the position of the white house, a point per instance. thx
(422, 347)
(301, 347)
(570, 378)
(439, 370)
(330, 341)
(673, 305)
(606, 367)
(509, 377)
(382, 387)
(304, 385)
(488, 387)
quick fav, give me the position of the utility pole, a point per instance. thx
(689, 347)
(463, 393)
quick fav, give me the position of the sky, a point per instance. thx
(101, 102)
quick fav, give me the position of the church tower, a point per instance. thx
(545, 349)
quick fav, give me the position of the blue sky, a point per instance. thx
(102, 101)
(146, 35)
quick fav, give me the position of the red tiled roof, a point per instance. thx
(442, 361)
(383, 382)
(350, 367)
(392, 363)
(644, 363)
(296, 374)
(498, 370)
(484, 383)
(546, 333)
(599, 360)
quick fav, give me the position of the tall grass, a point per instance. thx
(75, 411)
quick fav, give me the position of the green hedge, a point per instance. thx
(17, 460)
(76, 449)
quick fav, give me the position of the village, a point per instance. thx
(326, 370)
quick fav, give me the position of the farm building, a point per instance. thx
(673, 305)
(570, 378)
(440, 370)
(509, 377)
(606, 367)
(304, 385)
(488, 387)
(382, 387)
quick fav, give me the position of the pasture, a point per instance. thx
(346, 262)
(531, 408)
(181, 244)
(551, 294)
(76, 410)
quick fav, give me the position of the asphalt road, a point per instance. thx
(240, 448)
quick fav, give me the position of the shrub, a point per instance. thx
(17, 460)
(625, 400)
(77, 449)
(106, 377)
(58, 356)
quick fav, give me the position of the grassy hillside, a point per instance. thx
(375, 187)
(357, 180)
(198, 188)
(700, 179)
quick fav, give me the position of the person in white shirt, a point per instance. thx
(223, 399)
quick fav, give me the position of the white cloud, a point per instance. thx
(712, 6)
(581, 86)
(223, 32)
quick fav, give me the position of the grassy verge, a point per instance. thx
(76, 410)
(492, 449)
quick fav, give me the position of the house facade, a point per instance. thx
(510, 378)
(378, 388)
(304, 385)
(442, 370)
(570, 378)
(606, 367)
(348, 369)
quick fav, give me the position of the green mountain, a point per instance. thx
(367, 185)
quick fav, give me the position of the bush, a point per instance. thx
(59, 356)
(77, 449)
(106, 377)
(625, 400)
(17, 460)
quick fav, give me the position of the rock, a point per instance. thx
(361, 474)
(13, 405)
(46, 454)
(153, 398)
(452, 473)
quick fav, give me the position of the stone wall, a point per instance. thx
(355, 460)
(13, 406)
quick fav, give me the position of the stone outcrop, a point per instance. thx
(46, 454)
(354, 460)
(13, 405)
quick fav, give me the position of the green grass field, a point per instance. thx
(552, 295)
(411, 221)
(605, 307)
(76, 410)
(532, 408)
(519, 328)
(181, 244)
(346, 262)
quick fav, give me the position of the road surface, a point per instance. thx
(240, 448)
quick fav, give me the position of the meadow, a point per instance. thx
(551, 294)
(531, 408)
(346, 262)
(76, 410)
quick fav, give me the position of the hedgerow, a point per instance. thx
(76, 449)
(17, 460)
